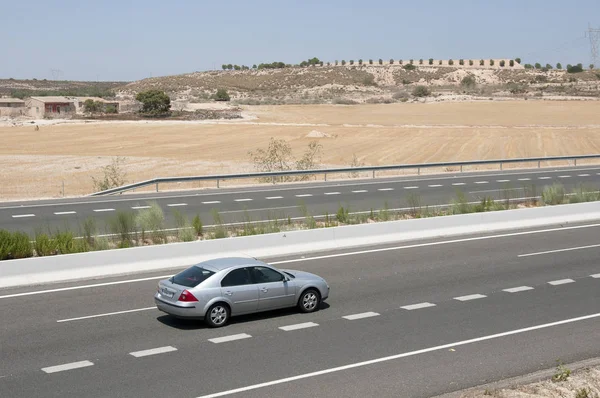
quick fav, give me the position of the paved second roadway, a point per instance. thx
(281, 202)
(430, 317)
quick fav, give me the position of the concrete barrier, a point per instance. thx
(68, 267)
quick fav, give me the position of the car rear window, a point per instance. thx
(192, 276)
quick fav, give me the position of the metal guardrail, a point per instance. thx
(373, 169)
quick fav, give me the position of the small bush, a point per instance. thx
(351, 62)
(113, 175)
(583, 194)
(197, 225)
(342, 215)
(123, 225)
(89, 230)
(44, 246)
(553, 195)
(468, 81)
(409, 67)
(222, 95)
(559, 66)
(562, 373)
(184, 232)
(584, 393)
(421, 91)
(369, 80)
(343, 101)
(152, 221)
(460, 205)
(21, 246)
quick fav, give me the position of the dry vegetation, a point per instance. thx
(34, 163)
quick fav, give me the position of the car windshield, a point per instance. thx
(192, 276)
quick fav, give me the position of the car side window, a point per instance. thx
(237, 277)
(266, 275)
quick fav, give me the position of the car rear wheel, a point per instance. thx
(217, 315)
(309, 301)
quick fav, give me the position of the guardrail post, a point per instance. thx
(500, 165)
(373, 173)
(325, 176)
(157, 187)
(418, 171)
(461, 168)
(575, 162)
(539, 163)
(217, 183)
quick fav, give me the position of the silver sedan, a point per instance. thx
(218, 289)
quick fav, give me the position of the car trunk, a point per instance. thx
(170, 291)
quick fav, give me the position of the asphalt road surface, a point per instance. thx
(283, 201)
(413, 319)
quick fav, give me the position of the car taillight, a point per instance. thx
(187, 297)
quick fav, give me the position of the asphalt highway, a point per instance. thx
(414, 319)
(283, 201)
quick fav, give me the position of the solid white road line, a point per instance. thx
(481, 182)
(263, 209)
(153, 351)
(384, 249)
(64, 289)
(67, 366)
(502, 180)
(274, 197)
(140, 207)
(360, 316)
(517, 289)
(176, 204)
(299, 326)
(412, 187)
(332, 193)
(107, 314)
(233, 337)
(417, 306)
(470, 297)
(459, 183)
(385, 189)
(558, 250)
(398, 356)
(561, 282)
(60, 213)
(544, 178)
(360, 191)
(103, 210)
(212, 202)
(243, 200)
(23, 215)
(596, 276)
(435, 186)
(303, 195)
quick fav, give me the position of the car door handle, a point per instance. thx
(264, 289)
(229, 293)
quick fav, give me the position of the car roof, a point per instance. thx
(222, 263)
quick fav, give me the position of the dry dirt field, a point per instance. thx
(34, 164)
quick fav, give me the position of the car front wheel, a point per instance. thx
(217, 315)
(309, 301)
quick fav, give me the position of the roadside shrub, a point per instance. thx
(21, 245)
(409, 67)
(460, 205)
(219, 232)
(369, 80)
(584, 393)
(584, 194)
(343, 101)
(123, 225)
(553, 195)
(400, 95)
(342, 215)
(44, 246)
(6, 244)
(89, 230)
(152, 221)
(184, 232)
(197, 225)
(421, 91)
(113, 175)
(562, 373)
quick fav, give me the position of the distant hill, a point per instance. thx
(34, 87)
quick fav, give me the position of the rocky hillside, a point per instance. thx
(33, 87)
(369, 83)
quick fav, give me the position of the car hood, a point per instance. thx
(304, 275)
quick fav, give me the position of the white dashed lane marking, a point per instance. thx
(103, 210)
(459, 183)
(140, 207)
(23, 215)
(360, 316)
(596, 276)
(61, 213)
(233, 337)
(153, 351)
(417, 306)
(481, 182)
(360, 191)
(304, 195)
(332, 193)
(566, 176)
(385, 189)
(243, 200)
(544, 178)
(67, 366)
(435, 186)
(517, 289)
(561, 282)
(502, 181)
(299, 326)
(470, 297)
(524, 179)
(274, 197)
(176, 204)
(412, 187)
(212, 202)
(583, 175)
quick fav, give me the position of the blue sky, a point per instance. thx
(130, 39)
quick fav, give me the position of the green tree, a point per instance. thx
(391, 60)
(502, 63)
(591, 66)
(470, 62)
(411, 61)
(91, 106)
(222, 95)
(360, 61)
(154, 102)
(518, 60)
(370, 62)
(430, 61)
(224, 67)
(351, 62)
(380, 61)
(548, 66)
(461, 62)
(528, 66)
(538, 66)
(314, 61)
(492, 62)
(421, 91)
(237, 67)
(511, 63)
(559, 66)
(450, 62)
(336, 62)
(421, 61)
(229, 66)
(575, 69)
(254, 66)
(343, 62)
(481, 62)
